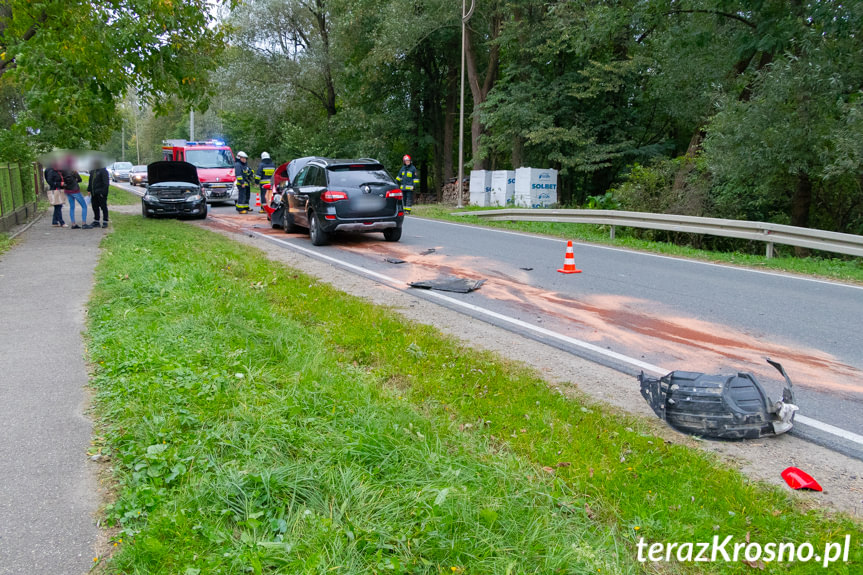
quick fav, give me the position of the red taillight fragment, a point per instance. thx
(329, 217)
(331, 196)
(401, 214)
(397, 194)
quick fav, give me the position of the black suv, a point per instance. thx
(330, 196)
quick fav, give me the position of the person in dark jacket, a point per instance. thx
(71, 178)
(408, 179)
(245, 176)
(263, 176)
(98, 187)
(55, 184)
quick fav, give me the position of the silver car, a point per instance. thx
(119, 171)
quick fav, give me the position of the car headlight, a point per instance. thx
(195, 198)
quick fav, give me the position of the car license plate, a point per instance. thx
(369, 203)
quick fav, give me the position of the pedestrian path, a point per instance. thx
(48, 487)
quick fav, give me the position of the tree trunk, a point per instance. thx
(801, 202)
(449, 127)
(480, 92)
(517, 157)
(688, 164)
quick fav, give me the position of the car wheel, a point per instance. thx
(203, 214)
(144, 211)
(318, 236)
(393, 234)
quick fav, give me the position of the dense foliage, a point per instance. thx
(64, 65)
(719, 107)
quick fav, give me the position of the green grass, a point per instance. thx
(262, 422)
(5, 242)
(837, 268)
(116, 196)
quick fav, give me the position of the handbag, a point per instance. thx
(56, 197)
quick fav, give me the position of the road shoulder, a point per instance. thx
(761, 460)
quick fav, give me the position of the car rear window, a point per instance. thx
(349, 176)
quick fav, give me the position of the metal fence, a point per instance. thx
(771, 234)
(20, 186)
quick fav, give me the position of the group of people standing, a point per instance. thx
(64, 185)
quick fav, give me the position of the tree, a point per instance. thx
(72, 61)
(792, 134)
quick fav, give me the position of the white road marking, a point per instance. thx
(788, 275)
(398, 284)
(827, 428)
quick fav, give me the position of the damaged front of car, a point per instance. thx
(173, 189)
(719, 406)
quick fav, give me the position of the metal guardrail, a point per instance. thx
(771, 234)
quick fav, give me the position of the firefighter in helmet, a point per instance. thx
(245, 176)
(263, 176)
(408, 179)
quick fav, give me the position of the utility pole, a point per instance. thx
(137, 139)
(191, 125)
(123, 140)
(464, 18)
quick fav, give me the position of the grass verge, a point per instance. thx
(843, 269)
(259, 421)
(116, 196)
(5, 242)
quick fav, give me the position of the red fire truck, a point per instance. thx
(215, 163)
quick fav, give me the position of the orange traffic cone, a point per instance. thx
(569, 261)
(258, 200)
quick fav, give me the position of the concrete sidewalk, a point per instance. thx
(48, 486)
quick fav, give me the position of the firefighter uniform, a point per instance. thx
(408, 179)
(245, 176)
(264, 175)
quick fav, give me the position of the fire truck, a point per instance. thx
(215, 163)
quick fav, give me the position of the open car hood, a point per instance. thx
(159, 172)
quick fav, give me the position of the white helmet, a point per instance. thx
(242, 155)
(265, 156)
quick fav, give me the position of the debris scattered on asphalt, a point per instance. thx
(799, 479)
(428, 251)
(459, 285)
(719, 406)
(394, 260)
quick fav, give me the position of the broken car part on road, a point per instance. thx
(459, 285)
(799, 479)
(719, 406)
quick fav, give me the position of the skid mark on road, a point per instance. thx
(622, 324)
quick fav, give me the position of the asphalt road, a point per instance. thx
(636, 311)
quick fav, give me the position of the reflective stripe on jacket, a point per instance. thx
(265, 172)
(408, 177)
